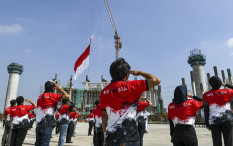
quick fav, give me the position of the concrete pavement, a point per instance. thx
(158, 136)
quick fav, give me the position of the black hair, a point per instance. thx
(20, 100)
(215, 82)
(13, 102)
(64, 101)
(91, 111)
(97, 102)
(49, 86)
(119, 69)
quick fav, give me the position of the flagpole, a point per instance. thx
(90, 40)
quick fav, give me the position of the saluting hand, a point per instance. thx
(134, 72)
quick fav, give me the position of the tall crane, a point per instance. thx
(117, 42)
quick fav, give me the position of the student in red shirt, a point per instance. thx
(32, 118)
(118, 102)
(71, 125)
(75, 124)
(220, 114)
(64, 114)
(6, 138)
(141, 120)
(91, 122)
(46, 108)
(98, 138)
(57, 130)
(20, 121)
(182, 114)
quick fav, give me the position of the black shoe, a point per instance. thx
(146, 132)
(69, 142)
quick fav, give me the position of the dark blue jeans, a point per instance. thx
(43, 135)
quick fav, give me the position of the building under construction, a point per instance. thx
(84, 98)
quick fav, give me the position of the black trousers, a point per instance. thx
(6, 138)
(57, 127)
(18, 136)
(31, 123)
(184, 135)
(224, 129)
(98, 138)
(141, 130)
(69, 131)
(91, 124)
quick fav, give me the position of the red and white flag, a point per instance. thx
(82, 62)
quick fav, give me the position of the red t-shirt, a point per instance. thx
(20, 116)
(119, 99)
(184, 113)
(7, 113)
(141, 107)
(72, 116)
(76, 116)
(98, 116)
(46, 107)
(219, 104)
(31, 115)
(56, 115)
(64, 114)
(90, 117)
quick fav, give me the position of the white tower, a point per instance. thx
(15, 70)
(197, 62)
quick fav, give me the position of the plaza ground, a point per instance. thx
(158, 135)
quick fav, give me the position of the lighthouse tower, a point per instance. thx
(197, 62)
(15, 70)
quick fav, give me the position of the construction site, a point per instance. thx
(84, 98)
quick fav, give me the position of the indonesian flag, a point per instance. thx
(82, 62)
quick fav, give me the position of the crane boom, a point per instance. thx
(117, 42)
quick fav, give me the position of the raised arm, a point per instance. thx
(147, 100)
(152, 80)
(65, 95)
(227, 85)
(32, 103)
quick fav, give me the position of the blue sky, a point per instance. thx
(47, 37)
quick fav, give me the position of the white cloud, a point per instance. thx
(11, 29)
(230, 43)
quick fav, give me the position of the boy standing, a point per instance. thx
(118, 102)
(20, 121)
(47, 104)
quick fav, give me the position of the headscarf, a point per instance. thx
(180, 95)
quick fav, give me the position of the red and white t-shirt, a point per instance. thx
(76, 117)
(7, 113)
(219, 104)
(90, 117)
(20, 116)
(64, 114)
(56, 116)
(141, 107)
(98, 116)
(184, 113)
(31, 116)
(46, 107)
(72, 116)
(119, 99)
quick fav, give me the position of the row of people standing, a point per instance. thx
(217, 114)
(17, 121)
(17, 117)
